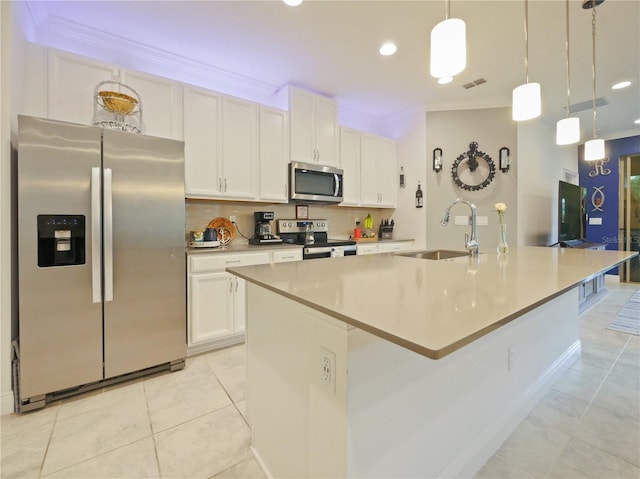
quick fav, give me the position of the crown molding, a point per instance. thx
(74, 37)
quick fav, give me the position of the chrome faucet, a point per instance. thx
(471, 242)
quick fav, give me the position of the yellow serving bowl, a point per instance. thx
(118, 102)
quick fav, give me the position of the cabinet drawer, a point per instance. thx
(220, 261)
(289, 255)
(367, 249)
(394, 247)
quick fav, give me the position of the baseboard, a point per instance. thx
(478, 453)
(7, 405)
(261, 463)
(209, 346)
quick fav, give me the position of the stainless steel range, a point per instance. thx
(314, 235)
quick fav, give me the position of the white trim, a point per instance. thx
(7, 405)
(478, 453)
(261, 463)
(70, 36)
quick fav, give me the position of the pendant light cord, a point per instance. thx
(526, 39)
(447, 10)
(593, 37)
(568, 63)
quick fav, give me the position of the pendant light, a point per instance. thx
(593, 149)
(568, 129)
(448, 47)
(526, 103)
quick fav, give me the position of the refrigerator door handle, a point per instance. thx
(96, 262)
(108, 236)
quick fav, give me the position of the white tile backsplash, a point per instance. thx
(341, 218)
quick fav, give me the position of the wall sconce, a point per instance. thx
(505, 161)
(437, 159)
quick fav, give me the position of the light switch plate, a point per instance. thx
(482, 220)
(462, 220)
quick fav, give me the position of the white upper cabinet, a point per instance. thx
(377, 171)
(71, 88)
(314, 128)
(273, 155)
(202, 118)
(350, 163)
(220, 135)
(239, 159)
(161, 103)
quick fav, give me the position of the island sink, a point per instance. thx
(436, 254)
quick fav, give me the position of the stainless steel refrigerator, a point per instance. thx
(101, 251)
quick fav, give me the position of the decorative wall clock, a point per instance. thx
(473, 170)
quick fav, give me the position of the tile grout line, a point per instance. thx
(153, 434)
(46, 449)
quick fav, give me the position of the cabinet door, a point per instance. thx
(301, 113)
(273, 154)
(369, 174)
(201, 143)
(350, 163)
(326, 131)
(210, 307)
(161, 103)
(239, 304)
(386, 161)
(71, 86)
(239, 149)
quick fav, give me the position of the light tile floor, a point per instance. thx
(191, 424)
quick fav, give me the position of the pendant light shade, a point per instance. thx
(448, 48)
(526, 102)
(594, 150)
(568, 131)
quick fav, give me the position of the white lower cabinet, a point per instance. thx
(216, 300)
(384, 247)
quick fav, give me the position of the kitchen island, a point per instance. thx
(391, 366)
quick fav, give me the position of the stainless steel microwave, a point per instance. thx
(313, 183)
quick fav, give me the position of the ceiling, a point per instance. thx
(331, 47)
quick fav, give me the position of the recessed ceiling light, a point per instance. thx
(445, 80)
(388, 48)
(637, 122)
(292, 3)
(619, 85)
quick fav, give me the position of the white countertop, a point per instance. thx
(432, 307)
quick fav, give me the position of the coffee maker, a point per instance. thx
(262, 232)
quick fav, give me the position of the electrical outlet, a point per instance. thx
(511, 357)
(232, 219)
(463, 220)
(328, 370)
(482, 220)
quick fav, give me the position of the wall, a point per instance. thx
(452, 131)
(409, 132)
(12, 79)
(541, 164)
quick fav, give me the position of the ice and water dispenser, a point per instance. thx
(61, 240)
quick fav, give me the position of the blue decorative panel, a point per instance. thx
(602, 182)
